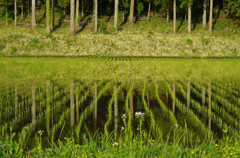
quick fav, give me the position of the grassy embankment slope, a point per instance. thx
(153, 38)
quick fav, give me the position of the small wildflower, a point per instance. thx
(176, 125)
(65, 137)
(34, 148)
(192, 152)
(40, 132)
(122, 128)
(124, 116)
(139, 114)
(216, 145)
(115, 144)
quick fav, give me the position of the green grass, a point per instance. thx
(102, 146)
(187, 138)
(223, 41)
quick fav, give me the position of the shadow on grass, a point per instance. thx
(41, 19)
(181, 22)
(214, 23)
(60, 22)
(83, 26)
(125, 19)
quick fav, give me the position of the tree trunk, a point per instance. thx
(204, 13)
(149, 9)
(82, 9)
(22, 10)
(33, 13)
(15, 12)
(77, 12)
(123, 13)
(48, 25)
(167, 14)
(116, 15)
(174, 16)
(72, 19)
(189, 18)
(7, 16)
(93, 11)
(131, 12)
(210, 16)
(96, 12)
(52, 15)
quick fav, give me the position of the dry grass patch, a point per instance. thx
(141, 40)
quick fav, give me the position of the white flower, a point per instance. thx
(176, 125)
(124, 116)
(115, 144)
(122, 128)
(40, 132)
(139, 114)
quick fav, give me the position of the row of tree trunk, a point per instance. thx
(73, 21)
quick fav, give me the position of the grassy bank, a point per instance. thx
(145, 38)
(102, 146)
